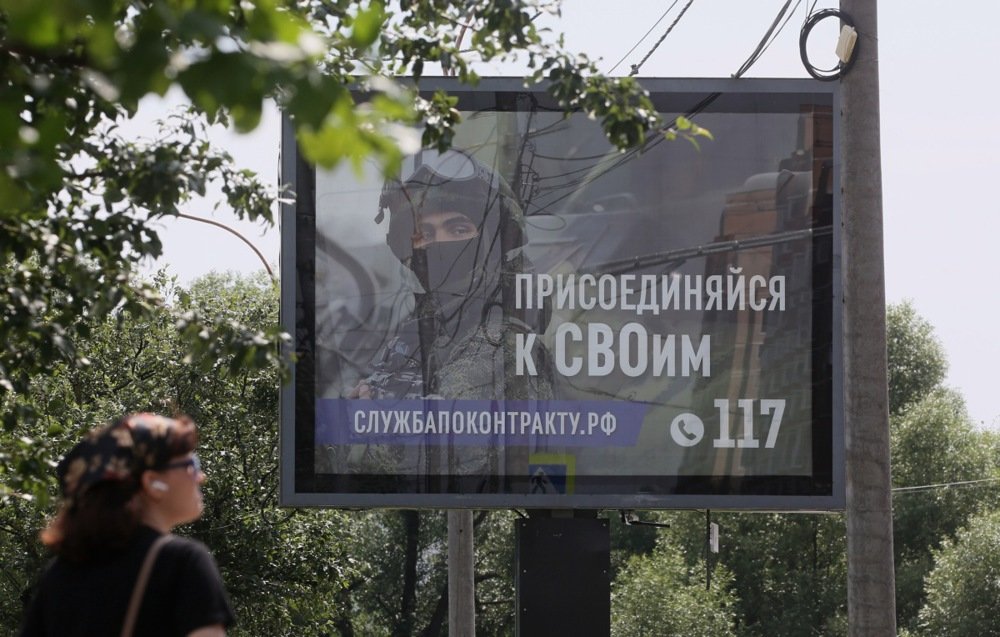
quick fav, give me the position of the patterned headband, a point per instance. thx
(120, 452)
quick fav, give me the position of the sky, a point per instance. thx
(940, 162)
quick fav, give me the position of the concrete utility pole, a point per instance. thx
(871, 602)
(461, 575)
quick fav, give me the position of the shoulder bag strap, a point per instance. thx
(139, 589)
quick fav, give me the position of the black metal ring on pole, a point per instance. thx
(825, 75)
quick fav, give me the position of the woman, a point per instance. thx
(124, 488)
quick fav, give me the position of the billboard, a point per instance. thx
(534, 319)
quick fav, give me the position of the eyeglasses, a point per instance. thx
(192, 464)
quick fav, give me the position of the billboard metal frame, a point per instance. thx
(299, 177)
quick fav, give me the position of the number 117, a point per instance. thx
(774, 408)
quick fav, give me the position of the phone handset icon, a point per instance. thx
(687, 430)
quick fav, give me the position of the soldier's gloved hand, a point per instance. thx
(362, 390)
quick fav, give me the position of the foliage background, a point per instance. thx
(82, 339)
(326, 572)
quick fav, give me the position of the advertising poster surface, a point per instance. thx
(535, 319)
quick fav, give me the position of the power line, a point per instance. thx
(643, 38)
(791, 14)
(616, 161)
(763, 42)
(944, 485)
(230, 230)
(809, 12)
(750, 61)
(636, 67)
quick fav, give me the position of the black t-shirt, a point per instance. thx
(184, 593)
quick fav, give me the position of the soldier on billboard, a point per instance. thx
(456, 227)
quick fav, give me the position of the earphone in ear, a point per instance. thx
(159, 485)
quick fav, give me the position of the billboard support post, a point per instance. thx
(870, 581)
(562, 574)
(461, 574)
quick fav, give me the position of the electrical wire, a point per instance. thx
(750, 61)
(260, 256)
(636, 67)
(791, 14)
(825, 75)
(945, 485)
(643, 38)
(809, 12)
(617, 161)
(576, 158)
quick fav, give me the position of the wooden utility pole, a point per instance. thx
(871, 605)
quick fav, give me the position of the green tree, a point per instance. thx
(916, 360)
(963, 588)
(934, 442)
(289, 572)
(284, 569)
(400, 586)
(788, 571)
(495, 594)
(657, 594)
(81, 201)
(82, 339)
(405, 591)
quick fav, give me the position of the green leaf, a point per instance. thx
(14, 193)
(142, 68)
(227, 80)
(314, 98)
(701, 132)
(246, 116)
(201, 25)
(269, 23)
(368, 25)
(32, 23)
(101, 44)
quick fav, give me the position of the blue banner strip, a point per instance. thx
(513, 423)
